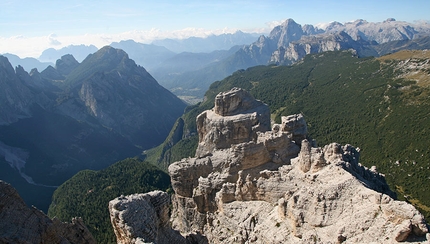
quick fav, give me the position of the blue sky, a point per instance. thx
(58, 23)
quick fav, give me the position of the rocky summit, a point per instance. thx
(250, 183)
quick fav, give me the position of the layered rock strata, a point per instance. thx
(20, 224)
(250, 184)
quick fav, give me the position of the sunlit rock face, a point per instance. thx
(236, 118)
(273, 185)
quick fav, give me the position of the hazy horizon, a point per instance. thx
(27, 28)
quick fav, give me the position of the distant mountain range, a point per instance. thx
(80, 52)
(77, 116)
(208, 44)
(27, 63)
(187, 67)
(290, 42)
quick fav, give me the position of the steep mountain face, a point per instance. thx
(296, 51)
(78, 116)
(21, 224)
(15, 97)
(250, 183)
(122, 96)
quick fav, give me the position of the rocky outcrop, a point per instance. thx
(246, 116)
(20, 224)
(276, 186)
(144, 218)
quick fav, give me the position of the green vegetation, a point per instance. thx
(87, 194)
(366, 102)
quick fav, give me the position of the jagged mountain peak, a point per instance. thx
(333, 25)
(105, 60)
(390, 19)
(358, 22)
(286, 32)
(107, 53)
(51, 73)
(288, 21)
(5, 64)
(66, 64)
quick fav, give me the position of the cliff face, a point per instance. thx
(276, 186)
(20, 224)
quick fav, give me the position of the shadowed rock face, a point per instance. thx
(275, 186)
(20, 224)
(144, 218)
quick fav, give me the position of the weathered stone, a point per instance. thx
(20, 224)
(296, 125)
(143, 218)
(236, 118)
(278, 187)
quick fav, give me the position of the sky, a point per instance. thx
(29, 27)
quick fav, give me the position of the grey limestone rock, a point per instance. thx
(276, 186)
(144, 218)
(236, 118)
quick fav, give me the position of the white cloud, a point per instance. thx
(52, 41)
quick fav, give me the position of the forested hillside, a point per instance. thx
(379, 105)
(87, 194)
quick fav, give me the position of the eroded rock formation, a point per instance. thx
(21, 224)
(246, 116)
(250, 184)
(275, 186)
(144, 218)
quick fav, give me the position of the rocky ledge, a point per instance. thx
(21, 224)
(252, 184)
